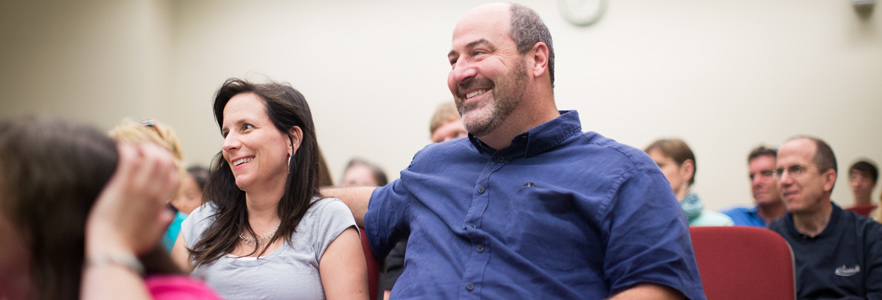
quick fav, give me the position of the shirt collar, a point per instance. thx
(834, 218)
(538, 139)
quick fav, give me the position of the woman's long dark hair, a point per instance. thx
(286, 108)
(53, 171)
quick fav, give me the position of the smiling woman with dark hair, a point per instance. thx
(265, 230)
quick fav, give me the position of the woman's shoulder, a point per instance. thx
(323, 222)
(321, 204)
(203, 211)
(326, 211)
(199, 219)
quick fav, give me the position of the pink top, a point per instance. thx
(164, 287)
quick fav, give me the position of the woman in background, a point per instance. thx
(360, 172)
(192, 185)
(153, 131)
(79, 210)
(265, 231)
(677, 162)
(188, 199)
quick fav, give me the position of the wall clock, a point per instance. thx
(582, 12)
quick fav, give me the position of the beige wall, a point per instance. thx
(93, 61)
(724, 75)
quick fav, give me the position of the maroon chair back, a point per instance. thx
(740, 262)
(373, 266)
(863, 210)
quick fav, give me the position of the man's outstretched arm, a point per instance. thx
(648, 291)
(357, 198)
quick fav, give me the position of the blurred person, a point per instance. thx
(676, 160)
(192, 186)
(81, 217)
(265, 231)
(360, 172)
(149, 130)
(837, 253)
(446, 124)
(764, 188)
(188, 199)
(528, 206)
(862, 177)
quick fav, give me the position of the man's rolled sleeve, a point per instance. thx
(384, 221)
(648, 237)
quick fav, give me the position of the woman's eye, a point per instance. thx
(247, 126)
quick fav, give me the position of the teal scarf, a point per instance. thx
(691, 206)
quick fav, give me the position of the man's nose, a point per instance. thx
(462, 70)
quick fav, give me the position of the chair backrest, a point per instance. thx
(863, 210)
(741, 262)
(373, 266)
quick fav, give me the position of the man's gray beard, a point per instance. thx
(507, 95)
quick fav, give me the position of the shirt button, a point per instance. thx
(470, 287)
(473, 226)
(480, 249)
(500, 159)
(481, 190)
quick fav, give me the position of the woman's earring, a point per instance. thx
(289, 162)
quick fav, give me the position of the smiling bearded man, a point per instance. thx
(528, 206)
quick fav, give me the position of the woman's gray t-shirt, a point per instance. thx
(290, 271)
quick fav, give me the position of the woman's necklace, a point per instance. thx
(262, 239)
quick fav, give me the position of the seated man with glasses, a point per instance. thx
(838, 254)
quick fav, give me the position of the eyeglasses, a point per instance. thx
(147, 123)
(794, 170)
(152, 124)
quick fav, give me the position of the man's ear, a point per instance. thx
(295, 134)
(538, 59)
(829, 178)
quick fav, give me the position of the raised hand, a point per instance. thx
(130, 214)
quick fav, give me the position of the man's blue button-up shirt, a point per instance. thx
(557, 214)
